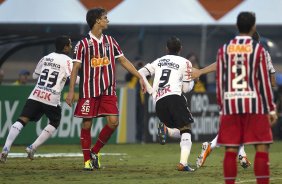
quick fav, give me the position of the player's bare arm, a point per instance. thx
(70, 96)
(129, 67)
(273, 79)
(196, 73)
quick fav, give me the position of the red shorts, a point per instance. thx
(235, 130)
(96, 107)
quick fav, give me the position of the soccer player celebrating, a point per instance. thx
(244, 95)
(170, 80)
(52, 72)
(95, 62)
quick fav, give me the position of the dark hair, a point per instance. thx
(94, 14)
(245, 21)
(174, 45)
(61, 42)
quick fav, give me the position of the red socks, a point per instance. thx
(103, 138)
(261, 167)
(85, 141)
(230, 167)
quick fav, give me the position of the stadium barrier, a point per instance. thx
(13, 98)
(204, 110)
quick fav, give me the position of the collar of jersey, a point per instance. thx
(95, 38)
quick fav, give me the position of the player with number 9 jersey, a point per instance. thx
(170, 72)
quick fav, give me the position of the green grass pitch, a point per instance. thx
(141, 164)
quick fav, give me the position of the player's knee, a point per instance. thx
(113, 124)
(23, 120)
(55, 124)
(185, 131)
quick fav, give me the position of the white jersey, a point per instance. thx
(170, 72)
(53, 70)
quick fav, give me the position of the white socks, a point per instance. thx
(13, 134)
(173, 133)
(214, 143)
(45, 134)
(242, 151)
(185, 146)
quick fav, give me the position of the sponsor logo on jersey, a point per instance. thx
(168, 63)
(239, 94)
(239, 49)
(42, 94)
(97, 62)
(162, 91)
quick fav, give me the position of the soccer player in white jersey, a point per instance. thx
(170, 80)
(52, 72)
(207, 147)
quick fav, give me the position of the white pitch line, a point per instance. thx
(254, 180)
(23, 155)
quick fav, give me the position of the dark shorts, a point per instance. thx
(104, 105)
(34, 110)
(173, 111)
(235, 130)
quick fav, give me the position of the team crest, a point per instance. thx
(107, 46)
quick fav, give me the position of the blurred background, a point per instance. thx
(28, 29)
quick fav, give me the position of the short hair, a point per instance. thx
(61, 42)
(245, 21)
(173, 44)
(94, 14)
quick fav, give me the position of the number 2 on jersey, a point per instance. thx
(239, 81)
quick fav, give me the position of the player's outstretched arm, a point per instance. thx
(130, 68)
(144, 73)
(196, 73)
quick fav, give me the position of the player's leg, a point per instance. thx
(86, 108)
(230, 135)
(85, 142)
(258, 130)
(107, 105)
(261, 164)
(242, 156)
(104, 136)
(164, 131)
(54, 116)
(207, 147)
(31, 111)
(213, 143)
(13, 134)
(230, 165)
(173, 133)
(185, 146)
